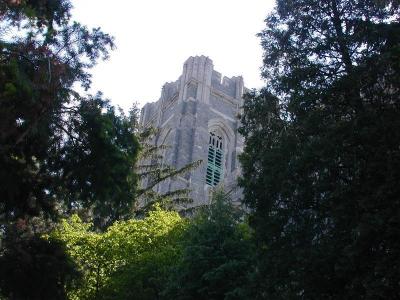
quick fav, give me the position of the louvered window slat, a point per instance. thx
(215, 160)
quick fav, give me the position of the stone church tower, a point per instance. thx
(198, 116)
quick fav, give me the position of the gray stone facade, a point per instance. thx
(200, 102)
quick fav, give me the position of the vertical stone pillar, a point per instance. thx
(197, 71)
(239, 87)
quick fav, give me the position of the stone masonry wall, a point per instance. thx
(199, 101)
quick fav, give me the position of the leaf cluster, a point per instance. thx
(129, 260)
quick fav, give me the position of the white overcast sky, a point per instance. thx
(155, 37)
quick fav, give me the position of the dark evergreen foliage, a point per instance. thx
(98, 163)
(59, 152)
(321, 167)
(217, 256)
(33, 268)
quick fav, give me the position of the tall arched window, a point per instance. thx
(215, 159)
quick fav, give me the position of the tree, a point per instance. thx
(99, 163)
(59, 151)
(34, 268)
(321, 162)
(131, 260)
(152, 171)
(217, 256)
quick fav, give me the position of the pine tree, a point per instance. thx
(217, 257)
(321, 164)
(59, 151)
(152, 171)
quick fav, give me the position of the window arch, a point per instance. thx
(215, 159)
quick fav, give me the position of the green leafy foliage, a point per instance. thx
(130, 260)
(322, 160)
(163, 256)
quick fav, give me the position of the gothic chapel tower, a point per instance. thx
(198, 116)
